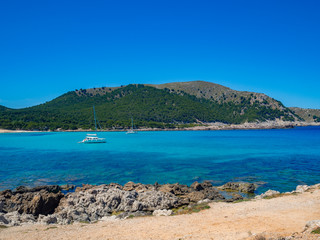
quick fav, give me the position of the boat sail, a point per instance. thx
(130, 131)
(93, 138)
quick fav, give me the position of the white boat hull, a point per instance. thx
(92, 138)
(87, 142)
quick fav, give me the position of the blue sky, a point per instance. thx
(50, 47)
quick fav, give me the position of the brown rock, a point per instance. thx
(115, 185)
(239, 186)
(196, 196)
(138, 187)
(144, 188)
(84, 187)
(129, 186)
(206, 184)
(212, 194)
(197, 186)
(176, 189)
(6, 194)
(67, 187)
(29, 201)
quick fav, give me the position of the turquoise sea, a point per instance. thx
(275, 159)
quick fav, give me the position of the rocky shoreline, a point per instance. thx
(100, 212)
(90, 203)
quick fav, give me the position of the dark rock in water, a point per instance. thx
(49, 188)
(84, 187)
(197, 186)
(239, 186)
(213, 194)
(206, 184)
(67, 187)
(235, 197)
(35, 201)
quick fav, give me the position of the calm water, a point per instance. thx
(277, 159)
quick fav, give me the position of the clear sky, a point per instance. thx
(50, 47)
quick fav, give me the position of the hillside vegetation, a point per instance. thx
(309, 115)
(161, 106)
(219, 93)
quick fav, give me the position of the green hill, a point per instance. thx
(161, 106)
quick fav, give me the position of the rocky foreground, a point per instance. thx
(89, 203)
(272, 215)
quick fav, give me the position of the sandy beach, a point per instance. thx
(204, 127)
(12, 131)
(276, 217)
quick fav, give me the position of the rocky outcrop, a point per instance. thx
(301, 188)
(239, 186)
(39, 200)
(268, 194)
(16, 219)
(312, 225)
(90, 203)
(100, 201)
(48, 188)
(67, 187)
(163, 212)
(138, 187)
(194, 193)
(176, 189)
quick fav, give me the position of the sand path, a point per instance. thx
(281, 216)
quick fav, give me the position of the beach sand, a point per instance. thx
(7, 131)
(204, 127)
(281, 216)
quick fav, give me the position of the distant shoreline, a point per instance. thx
(205, 127)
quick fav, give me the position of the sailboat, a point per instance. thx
(130, 131)
(93, 138)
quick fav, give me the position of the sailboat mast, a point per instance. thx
(95, 120)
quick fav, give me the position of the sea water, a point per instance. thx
(274, 159)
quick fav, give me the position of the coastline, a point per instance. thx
(292, 215)
(205, 127)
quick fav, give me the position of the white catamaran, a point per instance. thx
(93, 138)
(130, 131)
